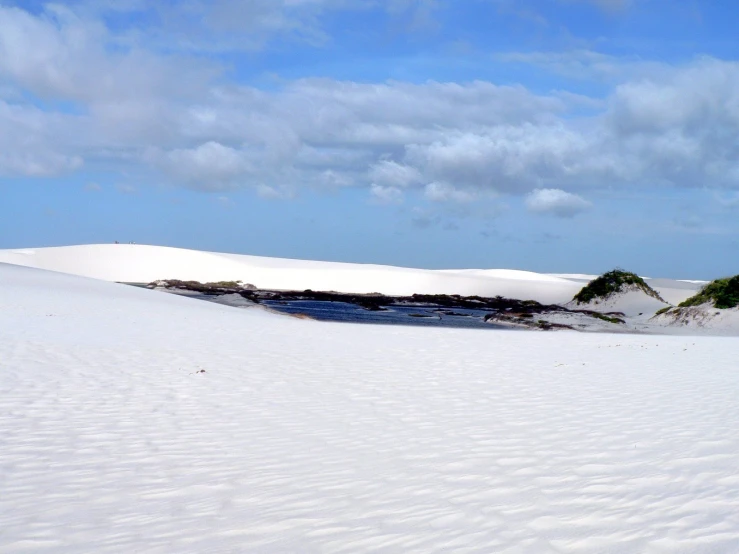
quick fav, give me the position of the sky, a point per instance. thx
(563, 136)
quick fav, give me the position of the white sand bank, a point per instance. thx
(304, 436)
(140, 263)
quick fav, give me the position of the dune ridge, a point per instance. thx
(143, 263)
(146, 263)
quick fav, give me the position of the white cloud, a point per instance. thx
(36, 163)
(442, 192)
(225, 202)
(511, 159)
(386, 195)
(60, 54)
(209, 166)
(390, 173)
(556, 202)
(28, 144)
(423, 219)
(275, 193)
(132, 104)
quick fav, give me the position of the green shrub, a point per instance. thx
(608, 318)
(224, 284)
(724, 293)
(612, 283)
(663, 310)
(219, 287)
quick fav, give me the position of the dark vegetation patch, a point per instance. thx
(724, 293)
(527, 321)
(548, 326)
(451, 313)
(504, 310)
(663, 310)
(445, 303)
(608, 318)
(216, 288)
(610, 283)
(371, 302)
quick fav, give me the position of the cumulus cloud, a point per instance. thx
(283, 192)
(61, 54)
(556, 202)
(386, 195)
(210, 165)
(28, 143)
(35, 163)
(320, 131)
(442, 192)
(390, 173)
(452, 142)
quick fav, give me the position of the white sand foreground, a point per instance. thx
(304, 436)
(142, 263)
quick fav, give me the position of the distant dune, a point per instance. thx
(142, 263)
(139, 263)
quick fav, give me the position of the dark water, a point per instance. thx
(430, 316)
(394, 315)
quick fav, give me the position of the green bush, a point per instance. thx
(224, 284)
(607, 318)
(219, 287)
(724, 293)
(612, 283)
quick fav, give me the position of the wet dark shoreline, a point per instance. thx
(440, 310)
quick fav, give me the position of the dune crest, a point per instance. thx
(142, 263)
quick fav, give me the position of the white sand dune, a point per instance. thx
(632, 301)
(506, 274)
(304, 436)
(579, 277)
(140, 263)
(705, 318)
(674, 291)
(671, 290)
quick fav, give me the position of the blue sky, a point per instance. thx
(549, 135)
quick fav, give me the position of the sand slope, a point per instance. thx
(674, 291)
(315, 437)
(704, 318)
(140, 263)
(631, 301)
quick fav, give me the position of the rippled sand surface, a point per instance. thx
(134, 421)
